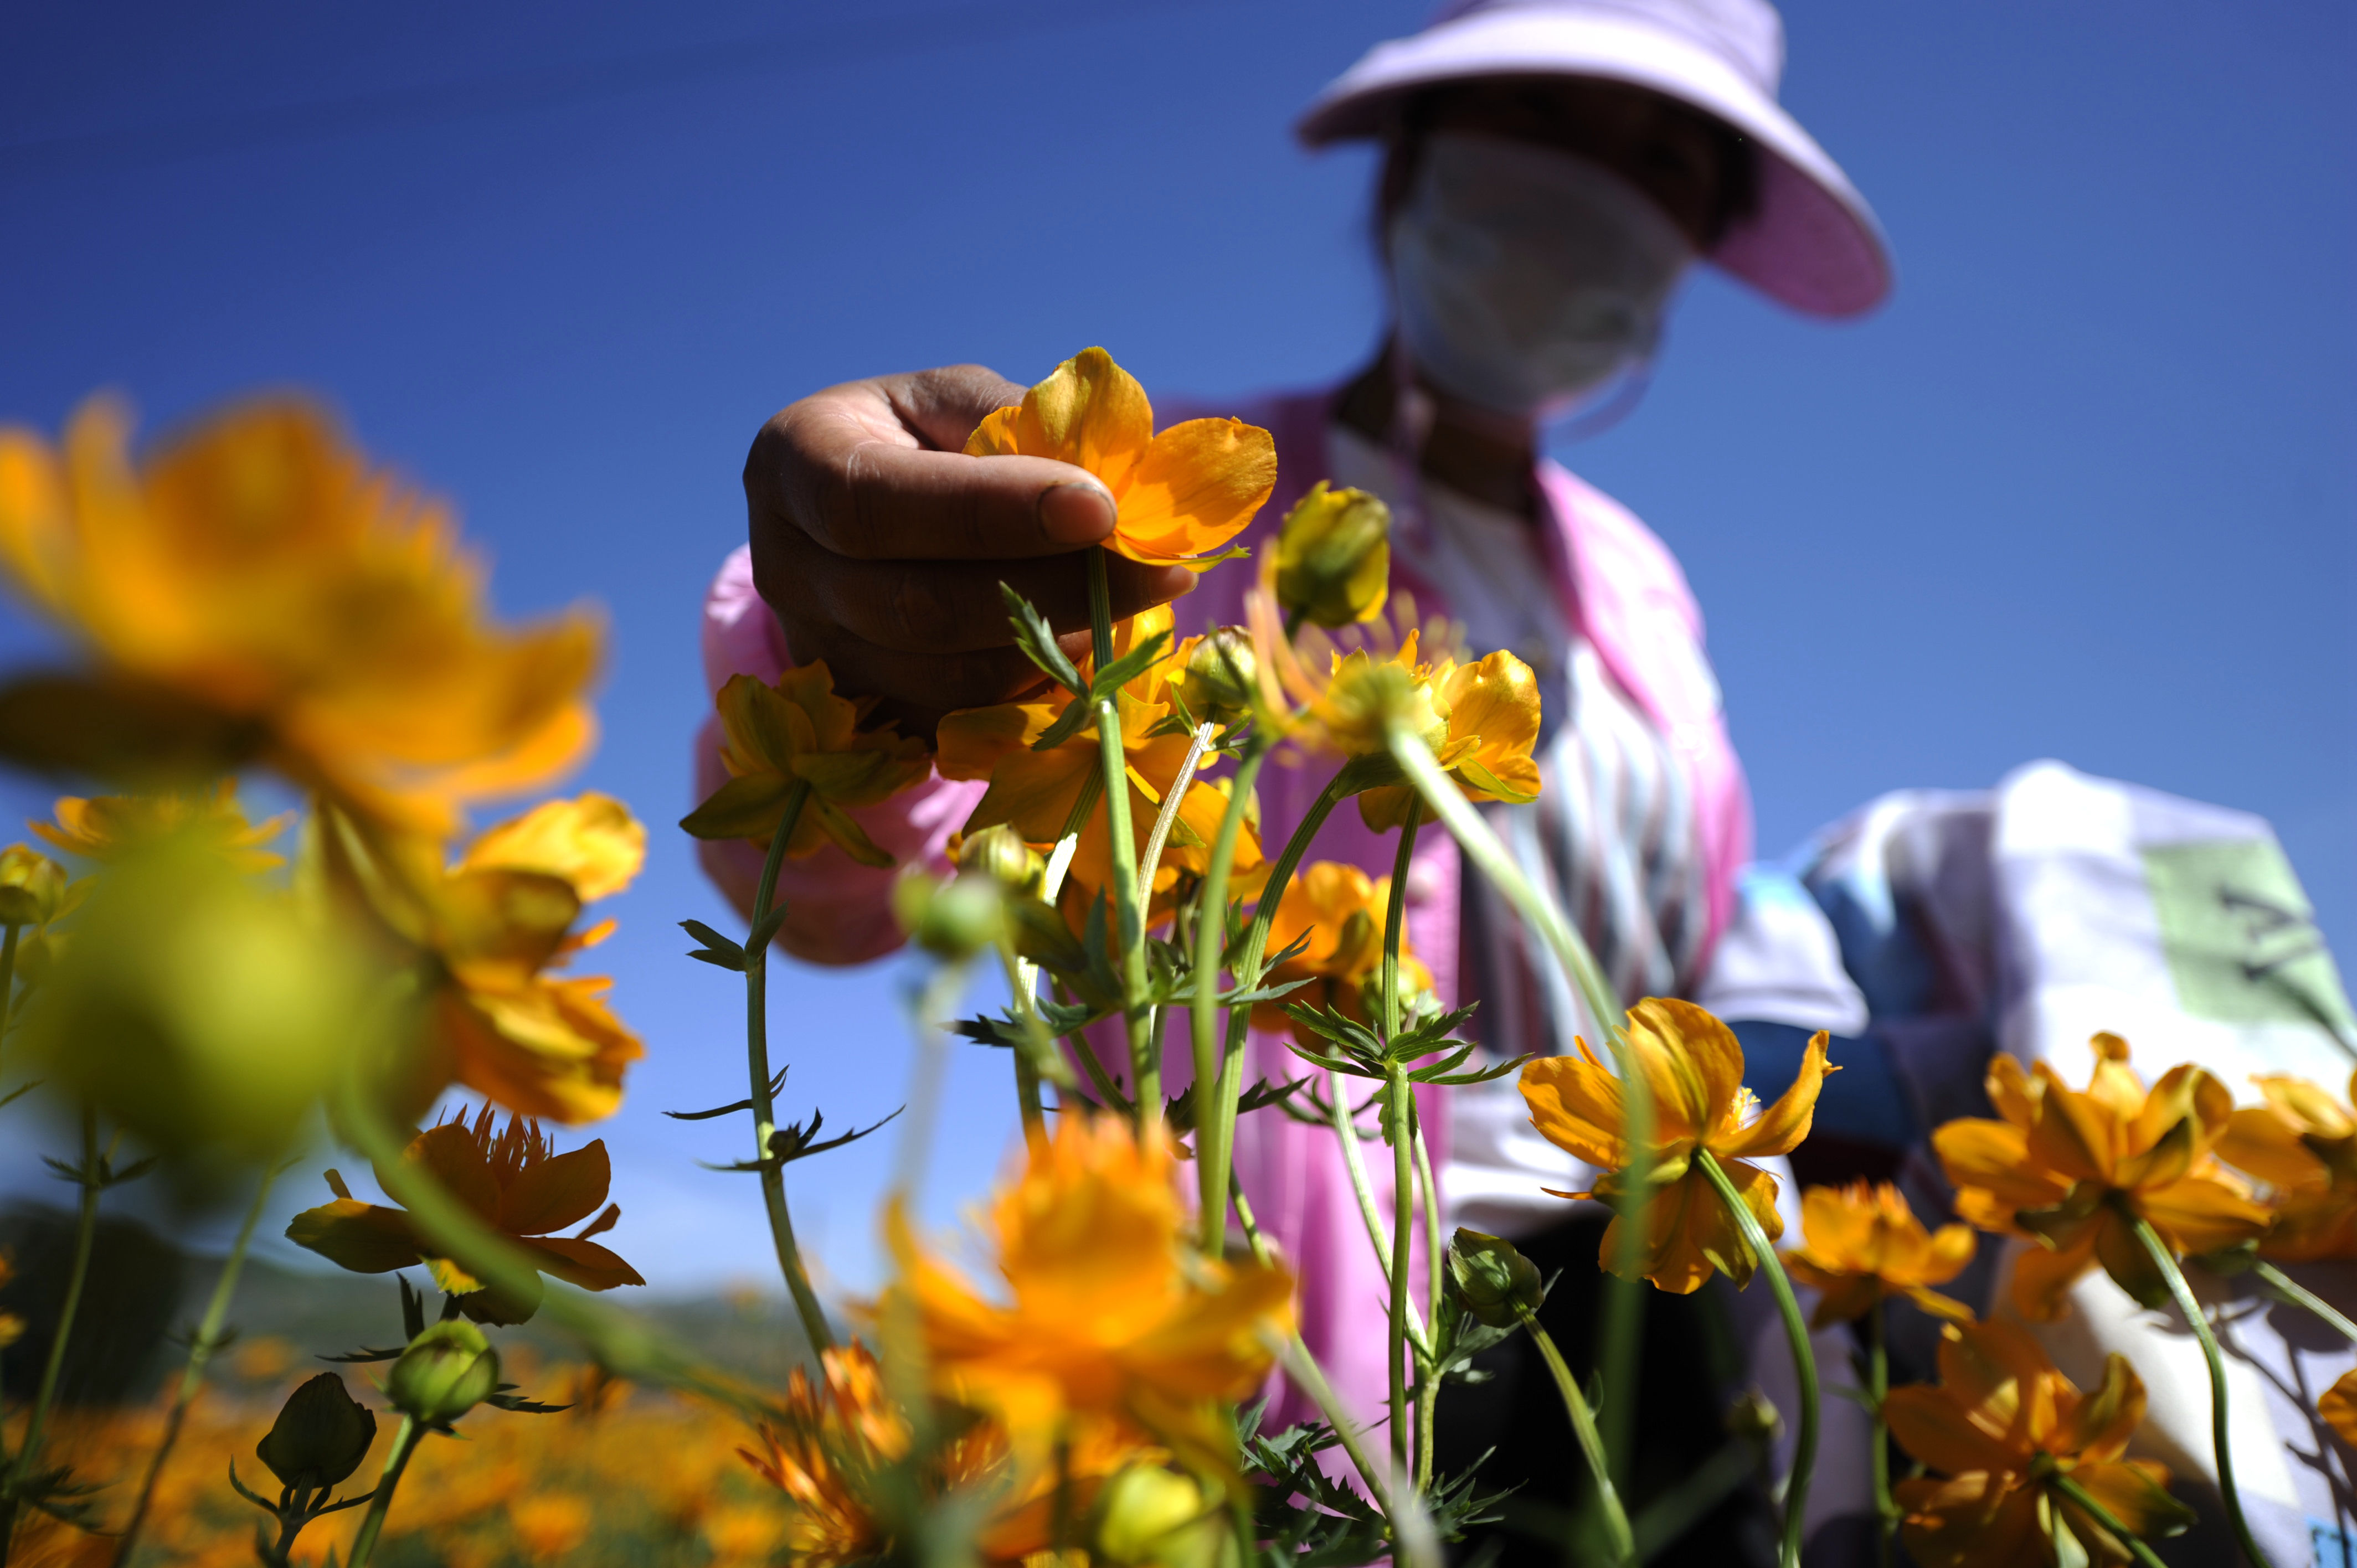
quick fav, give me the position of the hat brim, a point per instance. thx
(1810, 241)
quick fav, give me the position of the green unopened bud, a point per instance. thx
(1752, 1416)
(1149, 1515)
(1217, 685)
(955, 919)
(322, 1435)
(1334, 557)
(999, 853)
(1491, 1281)
(447, 1372)
(32, 886)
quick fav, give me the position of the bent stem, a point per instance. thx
(201, 1352)
(757, 1066)
(1211, 1127)
(1293, 1354)
(404, 1443)
(2296, 1294)
(1121, 848)
(1623, 1317)
(1591, 1444)
(1796, 1333)
(85, 1237)
(2182, 1293)
(2084, 1500)
(1151, 861)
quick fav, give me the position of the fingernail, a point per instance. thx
(1079, 512)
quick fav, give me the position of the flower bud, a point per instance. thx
(1221, 677)
(1491, 1281)
(1334, 557)
(32, 886)
(1150, 1515)
(1752, 1416)
(953, 920)
(999, 853)
(447, 1372)
(322, 1435)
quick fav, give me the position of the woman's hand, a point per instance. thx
(880, 545)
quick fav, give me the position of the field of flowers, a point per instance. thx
(230, 1004)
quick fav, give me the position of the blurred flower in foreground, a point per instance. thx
(1693, 1068)
(488, 930)
(1332, 564)
(255, 592)
(1178, 495)
(798, 732)
(1341, 910)
(510, 1177)
(2303, 1143)
(2002, 1422)
(11, 1327)
(1033, 792)
(1114, 1327)
(105, 827)
(32, 886)
(2075, 1168)
(2339, 1407)
(1864, 1245)
(199, 1010)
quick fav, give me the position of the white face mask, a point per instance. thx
(1525, 278)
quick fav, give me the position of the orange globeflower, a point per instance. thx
(511, 1179)
(1176, 495)
(1033, 792)
(255, 592)
(2339, 1407)
(105, 827)
(799, 733)
(2002, 1422)
(2076, 1169)
(1116, 1331)
(1341, 910)
(1694, 1070)
(1865, 1245)
(2303, 1144)
(1493, 722)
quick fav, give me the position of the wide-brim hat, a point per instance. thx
(1809, 241)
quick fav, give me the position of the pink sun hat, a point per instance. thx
(1811, 242)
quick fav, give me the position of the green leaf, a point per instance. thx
(1036, 639)
(746, 808)
(1128, 667)
(1077, 713)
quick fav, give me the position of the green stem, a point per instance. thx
(1623, 1328)
(1121, 850)
(2080, 1498)
(1796, 1333)
(1035, 1031)
(85, 1238)
(757, 1066)
(1151, 861)
(1363, 1189)
(1622, 1539)
(201, 1352)
(404, 1443)
(8, 979)
(1299, 1365)
(1428, 1194)
(2182, 1293)
(1214, 1154)
(2298, 1294)
(1399, 1096)
(1878, 1389)
(1396, 917)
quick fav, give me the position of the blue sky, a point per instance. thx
(2084, 489)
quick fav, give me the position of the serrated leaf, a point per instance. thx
(1036, 639)
(1128, 667)
(1068, 723)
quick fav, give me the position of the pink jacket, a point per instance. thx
(1625, 594)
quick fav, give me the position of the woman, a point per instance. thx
(1552, 170)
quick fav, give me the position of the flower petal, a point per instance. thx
(1783, 1126)
(366, 1238)
(1693, 1063)
(563, 1190)
(583, 1263)
(1196, 487)
(2135, 1493)
(1576, 1105)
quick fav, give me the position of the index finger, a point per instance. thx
(873, 470)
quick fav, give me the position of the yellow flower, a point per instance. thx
(255, 592)
(103, 828)
(2339, 1407)
(1115, 1328)
(511, 1179)
(2000, 1422)
(1492, 706)
(1176, 495)
(799, 732)
(2303, 1143)
(491, 926)
(2074, 1169)
(1334, 557)
(1341, 910)
(1865, 1245)
(1033, 792)
(32, 887)
(549, 1525)
(1694, 1070)
(11, 1327)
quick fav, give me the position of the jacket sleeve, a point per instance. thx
(837, 910)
